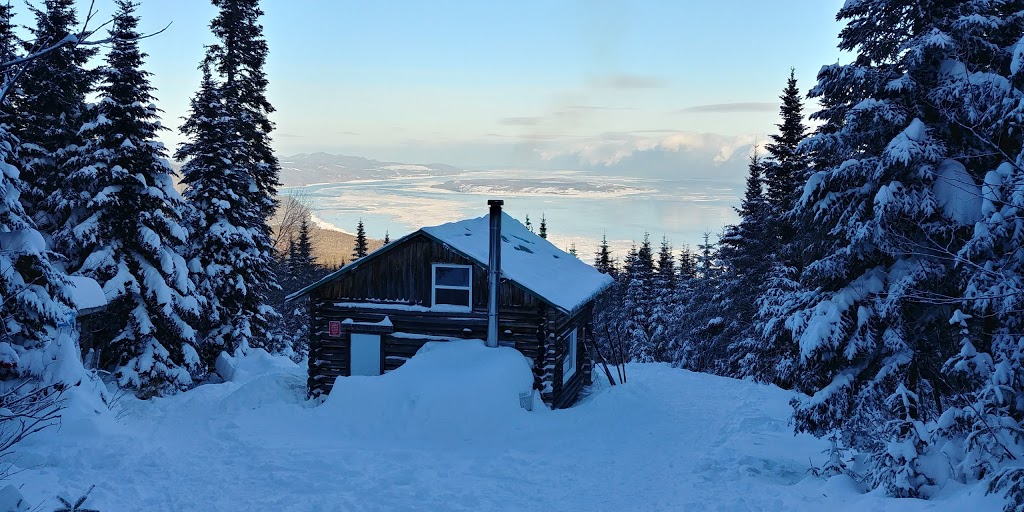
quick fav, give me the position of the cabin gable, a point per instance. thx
(404, 275)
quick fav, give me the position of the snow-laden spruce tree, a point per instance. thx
(50, 108)
(232, 256)
(697, 342)
(871, 311)
(238, 58)
(744, 251)
(232, 179)
(768, 351)
(980, 91)
(664, 294)
(38, 353)
(33, 295)
(123, 224)
(643, 326)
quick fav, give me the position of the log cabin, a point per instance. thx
(448, 282)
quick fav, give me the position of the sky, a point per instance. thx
(481, 83)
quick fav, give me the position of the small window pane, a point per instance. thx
(569, 363)
(452, 276)
(451, 297)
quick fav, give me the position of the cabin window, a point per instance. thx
(569, 363)
(453, 286)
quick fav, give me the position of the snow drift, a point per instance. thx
(458, 387)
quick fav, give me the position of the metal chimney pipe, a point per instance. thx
(494, 272)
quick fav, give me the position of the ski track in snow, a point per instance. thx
(668, 440)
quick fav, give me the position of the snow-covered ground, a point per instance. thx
(668, 440)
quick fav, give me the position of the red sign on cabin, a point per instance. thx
(334, 328)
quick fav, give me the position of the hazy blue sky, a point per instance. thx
(459, 79)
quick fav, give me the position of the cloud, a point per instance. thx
(616, 147)
(664, 130)
(731, 108)
(521, 121)
(595, 108)
(563, 117)
(624, 81)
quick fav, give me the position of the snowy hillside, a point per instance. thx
(668, 440)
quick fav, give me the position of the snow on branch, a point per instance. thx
(25, 410)
(82, 38)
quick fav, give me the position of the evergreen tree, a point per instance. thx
(232, 252)
(124, 224)
(666, 266)
(51, 109)
(233, 177)
(603, 260)
(687, 264)
(644, 328)
(706, 257)
(572, 249)
(744, 252)
(664, 295)
(898, 469)
(786, 170)
(982, 89)
(302, 270)
(697, 342)
(544, 228)
(286, 262)
(239, 58)
(747, 251)
(302, 260)
(387, 237)
(9, 44)
(33, 289)
(360, 248)
(871, 336)
(528, 224)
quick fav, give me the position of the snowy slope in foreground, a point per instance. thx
(668, 440)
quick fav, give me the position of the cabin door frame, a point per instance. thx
(366, 340)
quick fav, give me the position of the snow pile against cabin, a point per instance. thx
(527, 259)
(431, 392)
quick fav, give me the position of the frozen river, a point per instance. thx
(579, 208)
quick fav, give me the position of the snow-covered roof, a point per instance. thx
(527, 259)
(85, 293)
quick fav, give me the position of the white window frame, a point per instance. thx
(434, 286)
(569, 361)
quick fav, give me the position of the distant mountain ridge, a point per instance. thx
(312, 168)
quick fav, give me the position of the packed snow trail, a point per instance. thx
(667, 440)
